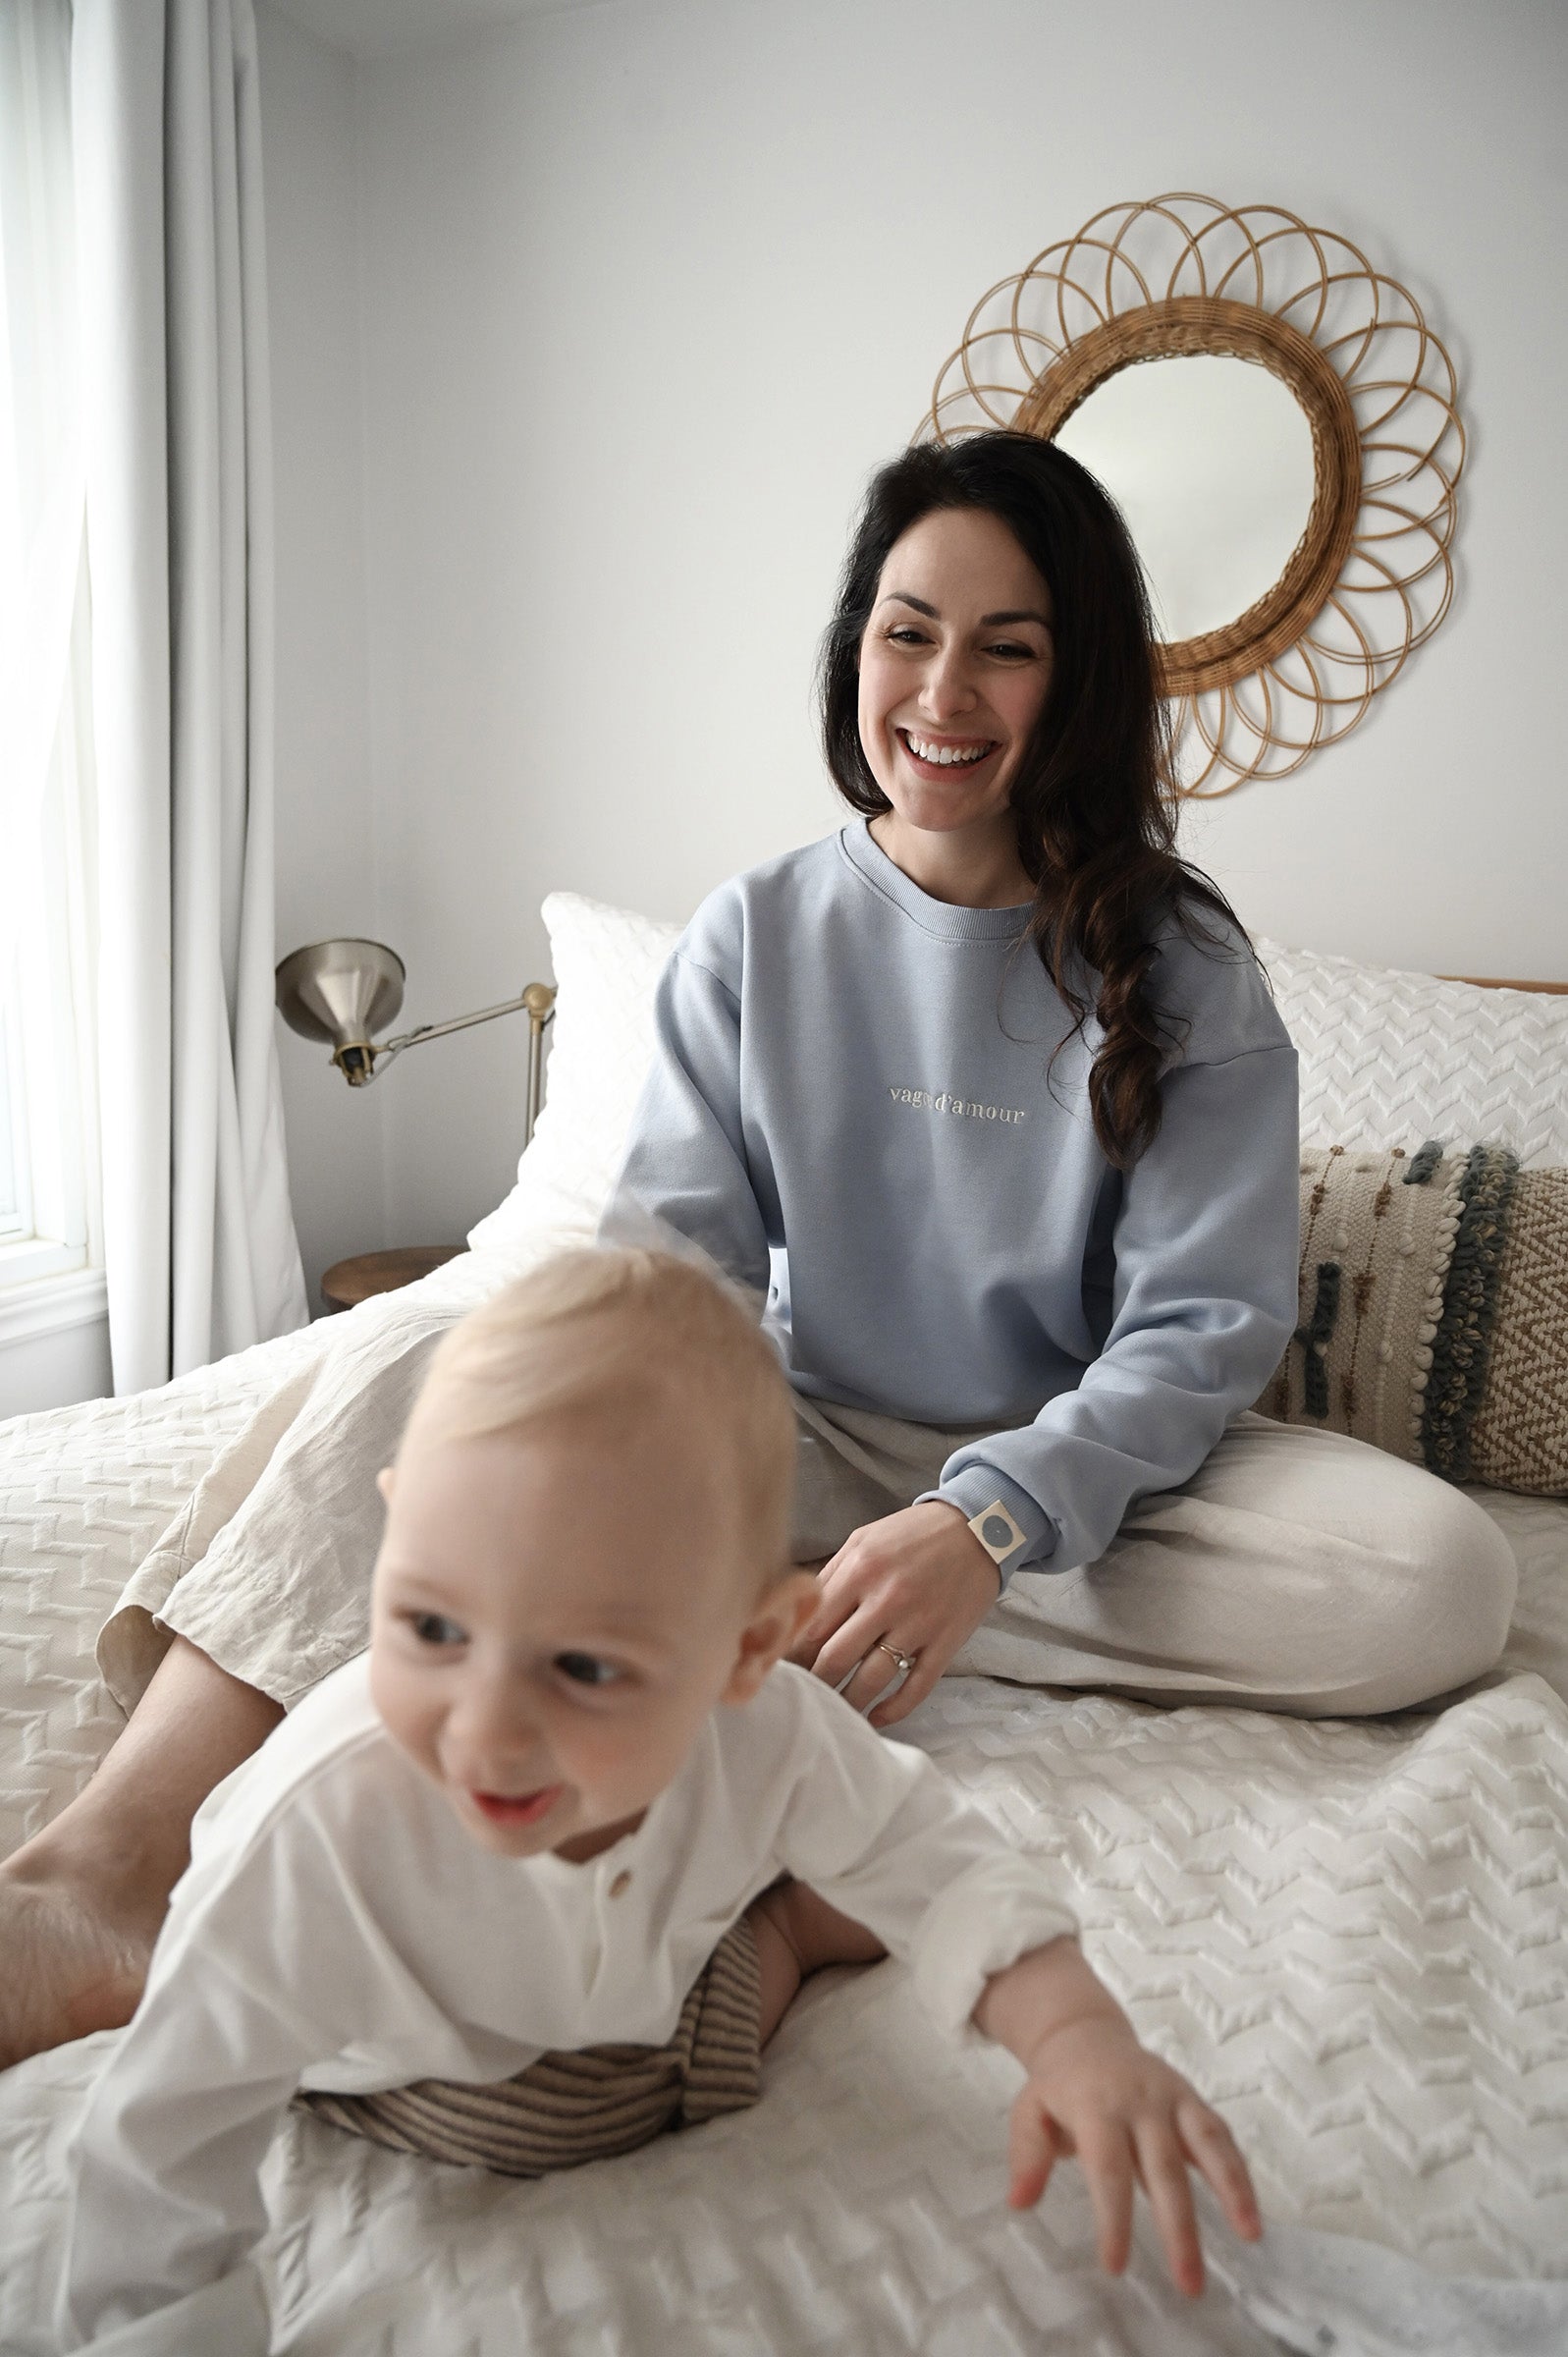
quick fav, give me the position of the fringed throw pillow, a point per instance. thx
(1434, 1311)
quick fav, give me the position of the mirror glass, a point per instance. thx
(1210, 459)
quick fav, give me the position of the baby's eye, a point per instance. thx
(586, 1670)
(434, 1628)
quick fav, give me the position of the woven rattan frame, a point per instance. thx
(1371, 575)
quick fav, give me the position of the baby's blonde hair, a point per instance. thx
(615, 1331)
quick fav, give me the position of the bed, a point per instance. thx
(1352, 1935)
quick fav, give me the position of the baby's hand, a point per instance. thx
(1095, 2092)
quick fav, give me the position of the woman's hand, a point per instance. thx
(918, 1580)
(1094, 2092)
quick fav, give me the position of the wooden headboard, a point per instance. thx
(1501, 982)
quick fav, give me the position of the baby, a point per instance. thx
(548, 1814)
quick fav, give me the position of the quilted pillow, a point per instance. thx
(1385, 1054)
(1433, 1309)
(607, 962)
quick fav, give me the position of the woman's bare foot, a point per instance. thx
(73, 1966)
(81, 1903)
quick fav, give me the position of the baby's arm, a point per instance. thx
(1094, 2091)
(166, 2199)
(261, 1971)
(879, 1836)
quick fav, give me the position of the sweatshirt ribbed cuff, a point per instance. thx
(979, 1486)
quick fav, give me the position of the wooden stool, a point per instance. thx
(349, 1282)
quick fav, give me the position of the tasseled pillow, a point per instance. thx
(1434, 1311)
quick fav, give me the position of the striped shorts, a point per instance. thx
(585, 2105)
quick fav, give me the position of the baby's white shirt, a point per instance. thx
(337, 1928)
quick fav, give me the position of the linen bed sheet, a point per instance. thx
(1352, 1935)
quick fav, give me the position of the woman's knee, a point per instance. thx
(1460, 1582)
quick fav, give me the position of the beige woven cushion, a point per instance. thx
(1434, 1311)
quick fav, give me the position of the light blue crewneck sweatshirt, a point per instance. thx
(850, 1104)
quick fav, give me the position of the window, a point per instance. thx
(48, 1145)
(48, 1132)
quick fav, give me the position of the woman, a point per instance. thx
(996, 1083)
(990, 1091)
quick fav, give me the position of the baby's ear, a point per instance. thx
(386, 1482)
(782, 1612)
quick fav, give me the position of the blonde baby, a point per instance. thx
(571, 1802)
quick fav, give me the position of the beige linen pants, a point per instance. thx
(1297, 1571)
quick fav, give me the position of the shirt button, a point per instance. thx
(621, 1882)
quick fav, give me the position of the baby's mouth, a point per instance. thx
(517, 1808)
(932, 756)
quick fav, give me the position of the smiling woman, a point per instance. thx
(1008, 1333)
(949, 698)
(992, 600)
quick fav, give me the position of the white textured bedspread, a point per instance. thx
(1353, 1937)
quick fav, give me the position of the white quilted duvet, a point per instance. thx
(1353, 1937)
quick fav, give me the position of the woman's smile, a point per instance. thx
(932, 757)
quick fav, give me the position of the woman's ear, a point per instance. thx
(782, 1612)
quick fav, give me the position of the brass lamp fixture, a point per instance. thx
(341, 991)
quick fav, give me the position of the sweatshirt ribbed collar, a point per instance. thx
(874, 867)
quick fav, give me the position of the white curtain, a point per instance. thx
(200, 1245)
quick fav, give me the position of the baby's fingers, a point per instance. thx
(1105, 2158)
(1034, 2143)
(1163, 2167)
(1214, 2154)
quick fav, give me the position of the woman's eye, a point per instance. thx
(434, 1628)
(1013, 651)
(586, 1670)
(907, 637)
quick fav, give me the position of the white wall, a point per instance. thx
(647, 290)
(327, 821)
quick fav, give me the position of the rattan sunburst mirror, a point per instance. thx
(1371, 575)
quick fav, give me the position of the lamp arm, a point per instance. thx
(539, 999)
(458, 1022)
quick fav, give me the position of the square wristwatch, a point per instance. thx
(998, 1534)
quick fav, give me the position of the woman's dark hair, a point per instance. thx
(1092, 799)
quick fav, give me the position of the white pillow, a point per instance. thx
(1390, 1058)
(607, 962)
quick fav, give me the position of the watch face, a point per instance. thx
(995, 1530)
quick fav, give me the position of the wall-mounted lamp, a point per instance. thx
(341, 991)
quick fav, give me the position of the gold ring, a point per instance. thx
(905, 1660)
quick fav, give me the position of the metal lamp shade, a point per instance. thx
(342, 992)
